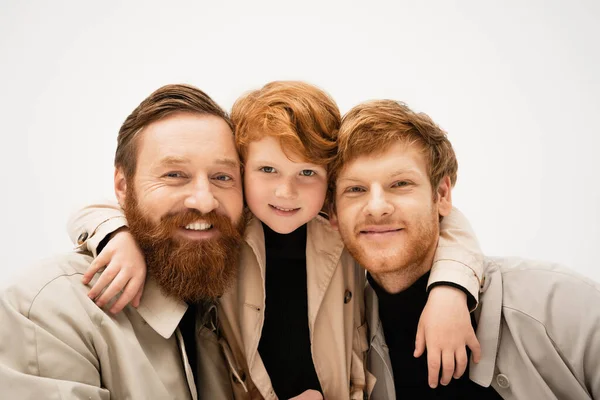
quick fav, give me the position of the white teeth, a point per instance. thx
(198, 226)
(284, 209)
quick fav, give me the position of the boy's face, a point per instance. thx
(282, 193)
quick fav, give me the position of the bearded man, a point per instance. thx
(538, 323)
(177, 176)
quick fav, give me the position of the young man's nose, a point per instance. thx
(378, 205)
(201, 197)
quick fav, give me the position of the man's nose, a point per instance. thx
(201, 197)
(378, 204)
(286, 190)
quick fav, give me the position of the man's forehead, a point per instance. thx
(397, 159)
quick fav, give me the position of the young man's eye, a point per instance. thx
(401, 184)
(307, 172)
(268, 170)
(354, 189)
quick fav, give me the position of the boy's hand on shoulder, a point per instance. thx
(125, 271)
(445, 329)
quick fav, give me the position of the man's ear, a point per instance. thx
(120, 186)
(444, 196)
(333, 221)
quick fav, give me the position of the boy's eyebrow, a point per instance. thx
(274, 164)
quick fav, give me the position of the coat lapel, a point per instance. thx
(323, 252)
(252, 288)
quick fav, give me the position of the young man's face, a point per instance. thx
(282, 193)
(385, 209)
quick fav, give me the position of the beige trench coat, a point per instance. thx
(55, 343)
(335, 298)
(539, 329)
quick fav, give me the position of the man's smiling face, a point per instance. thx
(385, 209)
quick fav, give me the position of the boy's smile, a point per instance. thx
(284, 194)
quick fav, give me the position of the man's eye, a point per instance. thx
(268, 170)
(224, 178)
(354, 189)
(174, 174)
(400, 184)
(307, 172)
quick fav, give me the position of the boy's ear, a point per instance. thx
(444, 196)
(120, 186)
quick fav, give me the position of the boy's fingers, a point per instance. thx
(138, 296)
(111, 291)
(97, 263)
(105, 278)
(461, 362)
(128, 294)
(447, 367)
(433, 367)
(419, 342)
(475, 347)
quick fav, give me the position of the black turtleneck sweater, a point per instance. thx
(399, 314)
(285, 341)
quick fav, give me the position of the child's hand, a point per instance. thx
(445, 328)
(125, 271)
(309, 395)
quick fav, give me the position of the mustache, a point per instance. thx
(176, 220)
(370, 221)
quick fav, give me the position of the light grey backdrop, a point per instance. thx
(515, 84)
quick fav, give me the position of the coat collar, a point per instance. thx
(488, 315)
(161, 312)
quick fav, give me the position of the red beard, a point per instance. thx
(190, 270)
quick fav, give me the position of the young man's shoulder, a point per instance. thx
(546, 292)
(58, 277)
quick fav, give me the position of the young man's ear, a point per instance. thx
(444, 196)
(120, 186)
(333, 221)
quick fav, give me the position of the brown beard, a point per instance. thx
(189, 270)
(411, 258)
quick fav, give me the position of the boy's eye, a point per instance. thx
(268, 170)
(307, 172)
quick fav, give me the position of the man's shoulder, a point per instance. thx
(60, 274)
(544, 291)
(544, 274)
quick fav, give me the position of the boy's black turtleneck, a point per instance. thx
(399, 314)
(285, 341)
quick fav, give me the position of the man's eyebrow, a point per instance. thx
(401, 171)
(170, 160)
(228, 162)
(349, 179)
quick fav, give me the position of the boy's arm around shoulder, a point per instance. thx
(46, 348)
(92, 224)
(458, 258)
